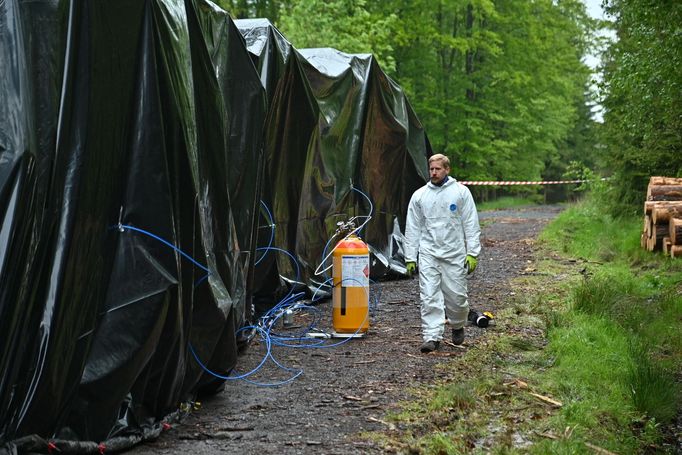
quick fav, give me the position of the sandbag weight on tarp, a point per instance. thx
(350, 300)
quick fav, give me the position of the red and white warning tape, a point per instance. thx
(539, 182)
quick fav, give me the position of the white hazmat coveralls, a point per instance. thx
(442, 228)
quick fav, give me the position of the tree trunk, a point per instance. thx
(676, 251)
(666, 245)
(664, 193)
(675, 231)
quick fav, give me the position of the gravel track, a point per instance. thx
(348, 389)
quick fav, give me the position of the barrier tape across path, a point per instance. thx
(520, 182)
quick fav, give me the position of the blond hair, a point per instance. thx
(442, 158)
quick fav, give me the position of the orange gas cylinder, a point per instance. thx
(350, 300)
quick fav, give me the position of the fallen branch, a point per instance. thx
(388, 424)
(547, 399)
(249, 428)
(370, 406)
(548, 436)
(598, 449)
(457, 346)
(518, 383)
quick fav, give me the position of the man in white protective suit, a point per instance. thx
(442, 232)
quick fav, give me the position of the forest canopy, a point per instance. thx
(643, 96)
(502, 87)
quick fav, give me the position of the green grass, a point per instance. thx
(454, 396)
(596, 328)
(504, 203)
(634, 299)
(587, 232)
(653, 388)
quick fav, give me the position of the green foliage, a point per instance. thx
(499, 85)
(243, 9)
(346, 25)
(643, 99)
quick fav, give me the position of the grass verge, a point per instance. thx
(587, 361)
(505, 203)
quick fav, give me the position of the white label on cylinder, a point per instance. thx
(355, 271)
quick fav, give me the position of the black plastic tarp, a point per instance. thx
(137, 141)
(367, 136)
(269, 49)
(128, 129)
(334, 120)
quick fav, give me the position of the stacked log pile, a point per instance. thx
(663, 216)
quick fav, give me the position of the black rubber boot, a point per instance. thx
(429, 346)
(458, 336)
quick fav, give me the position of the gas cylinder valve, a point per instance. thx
(344, 228)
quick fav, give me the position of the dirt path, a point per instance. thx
(347, 389)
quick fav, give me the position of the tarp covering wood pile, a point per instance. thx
(131, 171)
(334, 120)
(120, 113)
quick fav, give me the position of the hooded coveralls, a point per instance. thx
(442, 228)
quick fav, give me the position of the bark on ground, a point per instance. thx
(348, 389)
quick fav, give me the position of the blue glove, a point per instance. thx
(471, 262)
(411, 267)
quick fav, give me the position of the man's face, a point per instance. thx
(437, 171)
